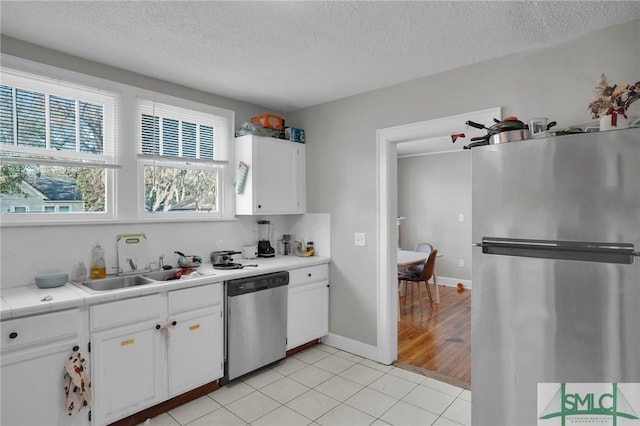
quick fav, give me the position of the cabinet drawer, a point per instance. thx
(196, 297)
(308, 275)
(126, 311)
(40, 328)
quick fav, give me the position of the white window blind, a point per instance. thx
(46, 121)
(181, 134)
(183, 156)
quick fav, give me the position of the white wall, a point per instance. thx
(21, 49)
(28, 250)
(556, 81)
(433, 190)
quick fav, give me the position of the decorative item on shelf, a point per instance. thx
(612, 102)
(241, 177)
(269, 121)
(294, 134)
(251, 129)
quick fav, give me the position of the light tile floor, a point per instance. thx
(326, 386)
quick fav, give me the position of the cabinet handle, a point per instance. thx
(13, 335)
(174, 323)
(259, 206)
(157, 326)
(309, 274)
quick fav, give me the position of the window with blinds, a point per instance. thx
(183, 154)
(56, 146)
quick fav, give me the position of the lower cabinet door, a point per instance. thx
(195, 349)
(307, 313)
(32, 387)
(128, 370)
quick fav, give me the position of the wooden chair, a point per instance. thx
(423, 276)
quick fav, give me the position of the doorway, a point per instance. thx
(428, 133)
(434, 197)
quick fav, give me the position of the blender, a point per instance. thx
(264, 239)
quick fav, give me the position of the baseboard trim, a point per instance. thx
(352, 346)
(453, 282)
(142, 416)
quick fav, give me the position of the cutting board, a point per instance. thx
(132, 253)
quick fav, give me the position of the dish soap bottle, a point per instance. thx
(98, 266)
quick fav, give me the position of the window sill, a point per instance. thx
(16, 224)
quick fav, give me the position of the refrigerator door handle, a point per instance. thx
(586, 251)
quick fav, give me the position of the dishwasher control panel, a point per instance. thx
(257, 283)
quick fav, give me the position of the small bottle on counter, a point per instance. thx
(310, 250)
(98, 265)
(81, 272)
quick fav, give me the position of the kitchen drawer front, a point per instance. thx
(36, 329)
(127, 311)
(308, 275)
(196, 297)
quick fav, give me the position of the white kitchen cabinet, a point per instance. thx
(308, 305)
(196, 352)
(127, 357)
(151, 348)
(275, 182)
(34, 352)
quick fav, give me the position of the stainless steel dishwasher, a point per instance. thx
(256, 323)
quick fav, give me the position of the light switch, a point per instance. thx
(460, 217)
(359, 239)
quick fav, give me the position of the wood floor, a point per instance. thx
(438, 341)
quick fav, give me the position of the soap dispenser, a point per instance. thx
(98, 265)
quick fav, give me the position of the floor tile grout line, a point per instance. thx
(385, 371)
(394, 404)
(282, 405)
(445, 410)
(206, 414)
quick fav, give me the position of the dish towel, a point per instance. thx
(77, 385)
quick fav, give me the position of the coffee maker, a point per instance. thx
(264, 239)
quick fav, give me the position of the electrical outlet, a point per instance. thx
(461, 263)
(359, 239)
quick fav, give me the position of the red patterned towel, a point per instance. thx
(77, 385)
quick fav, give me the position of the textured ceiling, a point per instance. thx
(289, 55)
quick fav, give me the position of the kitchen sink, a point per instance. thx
(124, 281)
(161, 275)
(115, 283)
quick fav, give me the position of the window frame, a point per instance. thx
(55, 82)
(127, 200)
(224, 184)
(177, 215)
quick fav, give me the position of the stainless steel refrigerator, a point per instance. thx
(556, 272)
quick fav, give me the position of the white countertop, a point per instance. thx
(31, 300)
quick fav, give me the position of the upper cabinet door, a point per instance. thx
(275, 182)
